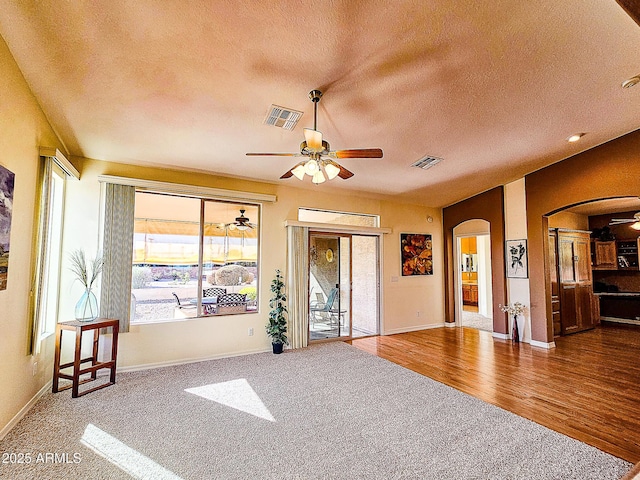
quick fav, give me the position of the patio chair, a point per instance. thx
(182, 306)
(231, 303)
(327, 312)
(213, 292)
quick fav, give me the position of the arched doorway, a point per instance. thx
(611, 266)
(488, 206)
(474, 294)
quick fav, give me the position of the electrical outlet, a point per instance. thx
(250, 332)
(35, 369)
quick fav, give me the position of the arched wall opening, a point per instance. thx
(487, 206)
(474, 269)
(607, 171)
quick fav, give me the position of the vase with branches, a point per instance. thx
(277, 326)
(514, 310)
(87, 274)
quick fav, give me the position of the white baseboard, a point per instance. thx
(149, 366)
(24, 410)
(547, 345)
(450, 324)
(627, 321)
(501, 336)
(413, 329)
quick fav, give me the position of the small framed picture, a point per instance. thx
(517, 265)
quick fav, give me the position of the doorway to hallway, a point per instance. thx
(474, 297)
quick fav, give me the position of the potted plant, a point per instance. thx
(277, 326)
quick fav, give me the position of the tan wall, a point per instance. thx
(408, 303)
(24, 128)
(571, 221)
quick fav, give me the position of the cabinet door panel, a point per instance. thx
(568, 311)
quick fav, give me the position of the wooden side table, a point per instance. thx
(80, 328)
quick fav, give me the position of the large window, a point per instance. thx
(51, 251)
(193, 257)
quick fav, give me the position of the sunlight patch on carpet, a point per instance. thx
(123, 456)
(236, 394)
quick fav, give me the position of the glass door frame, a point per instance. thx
(339, 236)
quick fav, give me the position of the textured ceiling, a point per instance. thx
(493, 87)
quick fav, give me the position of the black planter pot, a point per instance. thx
(277, 347)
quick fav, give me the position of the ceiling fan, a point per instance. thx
(621, 221)
(241, 223)
(320, 164)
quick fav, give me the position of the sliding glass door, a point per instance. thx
(343, 286)
(329, 286)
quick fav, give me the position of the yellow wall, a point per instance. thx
(409, 303)
(24, 128)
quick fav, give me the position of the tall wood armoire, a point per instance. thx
(578, 309)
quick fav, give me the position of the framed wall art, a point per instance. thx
(517, 266)
(416, 252)
(6, 208)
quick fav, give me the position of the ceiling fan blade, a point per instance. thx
(344, 173)
(357, 153)
(273, 154)
(288, 174)
(622, 220)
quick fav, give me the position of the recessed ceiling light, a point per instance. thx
(575, 137)
(630, 82)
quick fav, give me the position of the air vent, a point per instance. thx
(282, 117)
(427, 162)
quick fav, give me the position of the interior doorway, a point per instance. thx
(343, 286)
(474, 296)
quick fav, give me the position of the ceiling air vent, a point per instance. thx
(282, 117)
(427, 162)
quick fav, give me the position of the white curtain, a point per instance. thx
(297, 285)
(42, 258)
(115, 294)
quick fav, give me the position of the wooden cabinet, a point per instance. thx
(604, 255)
(470, 294)
(575, 287)
(615, 254)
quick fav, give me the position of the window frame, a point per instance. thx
(204, 200)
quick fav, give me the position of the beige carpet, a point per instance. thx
(329, 411)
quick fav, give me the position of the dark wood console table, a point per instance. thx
(80, 328)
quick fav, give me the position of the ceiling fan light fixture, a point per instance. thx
(299, 171)
(331, 170)
(314, 140)
(311, 167)
(318, 177)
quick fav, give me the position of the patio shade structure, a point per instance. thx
(175, 242)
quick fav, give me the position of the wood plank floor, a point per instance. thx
(588, 387)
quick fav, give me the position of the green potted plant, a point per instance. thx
(277, 326)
